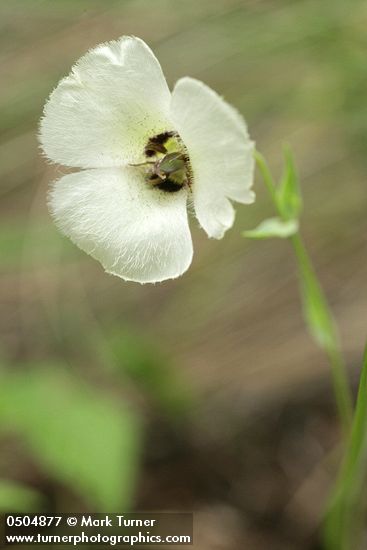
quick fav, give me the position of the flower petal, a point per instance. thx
(104, 112)
(136, 231)
(220, 150)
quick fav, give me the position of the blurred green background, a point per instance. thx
(204, 393)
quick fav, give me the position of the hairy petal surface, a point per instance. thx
(103, 113)
(137, 232)
(220, 150)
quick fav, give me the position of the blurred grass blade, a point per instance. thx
(15, 497)
(288, 192)
(83, 439)
(273, 227)
(344, 520)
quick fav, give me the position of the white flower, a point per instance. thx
(145, 153)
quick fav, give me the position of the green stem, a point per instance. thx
(267, 177)
(330, 344)
(317, 313)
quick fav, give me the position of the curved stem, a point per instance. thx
(317, 313)
(330, 342)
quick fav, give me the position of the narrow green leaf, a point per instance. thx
(273, 227)
(81, 438)
(344, 520)
(15, 497)
(321, 325)
(316, 309)
(288, 193)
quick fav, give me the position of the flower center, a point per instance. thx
(169, 164)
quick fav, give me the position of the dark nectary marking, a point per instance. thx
(169, 186)
(156, 144)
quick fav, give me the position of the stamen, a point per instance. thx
(171, 170)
